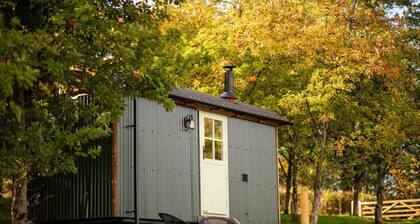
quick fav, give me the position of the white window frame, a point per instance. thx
(222, 118)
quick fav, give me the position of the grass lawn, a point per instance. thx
(5, 211)
(285, 219)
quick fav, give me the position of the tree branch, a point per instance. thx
(282, 169)
(259, 73)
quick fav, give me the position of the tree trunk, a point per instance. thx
(380, 186)
(295, 190)
(19, 210)
(357, 186)
(316, 203)
(1, 189)
(356, 194)
(288, 187)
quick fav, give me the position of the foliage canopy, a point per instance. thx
(54, 51)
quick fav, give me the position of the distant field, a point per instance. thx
(285, 219)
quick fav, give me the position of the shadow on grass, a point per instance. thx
(5, 210)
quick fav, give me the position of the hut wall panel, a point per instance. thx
(252, 151)
(167, 167)
(125, 166)
(86, 194)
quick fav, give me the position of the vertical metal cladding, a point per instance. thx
(125, 166)
(252, 151)
(167, 169)
(86, 194)
(167, 166)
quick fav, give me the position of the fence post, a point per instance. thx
(359, 209)
(304, 205)
(351, 207)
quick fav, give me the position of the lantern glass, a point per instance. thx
(189, 122)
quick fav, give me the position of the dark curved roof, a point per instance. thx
(204, 98)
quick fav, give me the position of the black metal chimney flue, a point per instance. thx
(229, 86)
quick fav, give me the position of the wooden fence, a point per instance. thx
(400, 209)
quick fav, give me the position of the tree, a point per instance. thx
(288, 176)
(393, 140)
(54, 51)
(302, 59)
(295, 156)
(352, 162)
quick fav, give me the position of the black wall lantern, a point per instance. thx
(189, 122)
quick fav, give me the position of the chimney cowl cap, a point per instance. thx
(230, 67)
(229, 83)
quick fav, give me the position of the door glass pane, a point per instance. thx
(218, 130)
(208, 149)
(208, 127)
(218, 146)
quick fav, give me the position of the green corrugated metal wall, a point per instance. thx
(168, 171)
(167, 166)
(72, 196)
(252, 151)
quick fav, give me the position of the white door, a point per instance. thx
(214, 188)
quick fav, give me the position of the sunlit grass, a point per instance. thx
(286, 219)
